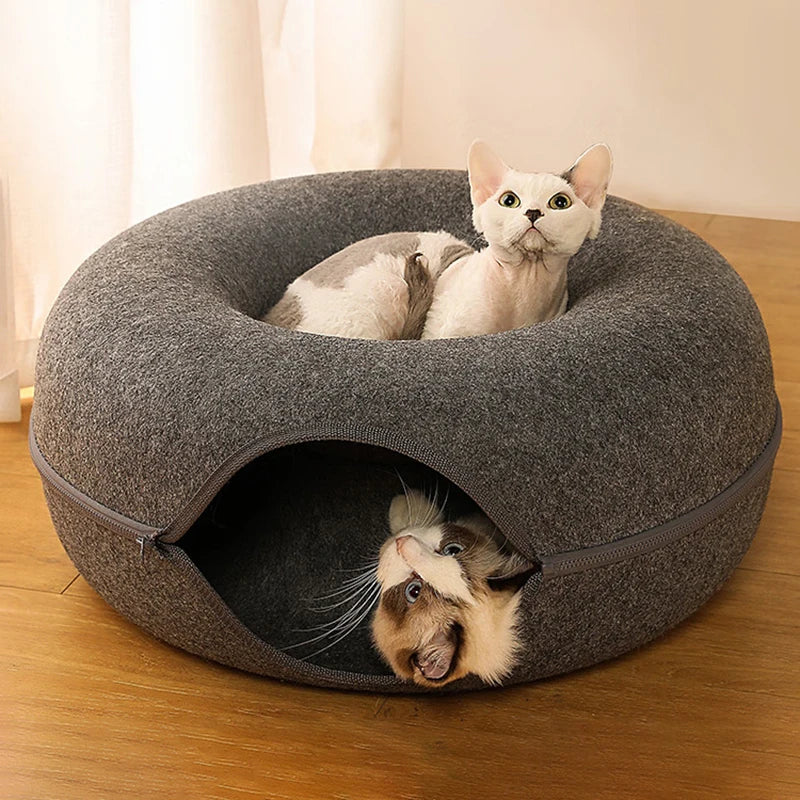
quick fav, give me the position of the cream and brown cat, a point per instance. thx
(449, 593)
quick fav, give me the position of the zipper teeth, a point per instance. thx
(610, 553)
(377, 437)
(560, 565)
(326, 675)
(552, 566)
(107, 516)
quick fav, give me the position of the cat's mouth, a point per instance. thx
(532, 240)
(533, 229)
(437, 660)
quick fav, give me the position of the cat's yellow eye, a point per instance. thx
(509, 200)
(560, 201)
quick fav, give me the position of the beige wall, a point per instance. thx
(700, 101)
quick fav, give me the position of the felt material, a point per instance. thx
(156, 383)
(567, 622)
(323, 510)
(648, 397)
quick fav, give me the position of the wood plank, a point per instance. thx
(766, 253)
(776, 545)
(789, 395)
(31, 555)
(80, 588)
(95, 708)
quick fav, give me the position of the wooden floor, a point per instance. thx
(91, 707)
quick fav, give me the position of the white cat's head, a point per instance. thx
(449, 595)
(524, 214)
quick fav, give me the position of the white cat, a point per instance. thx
(431, 285)
(533, 223)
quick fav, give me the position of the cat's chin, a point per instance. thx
(532, 245)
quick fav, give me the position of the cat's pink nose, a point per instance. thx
(402, 542)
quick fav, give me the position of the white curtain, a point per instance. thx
(112, 110)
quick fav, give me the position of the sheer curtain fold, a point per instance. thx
(111, 110)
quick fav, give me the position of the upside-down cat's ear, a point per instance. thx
(413, 508)
(590, 174)
(486, 171)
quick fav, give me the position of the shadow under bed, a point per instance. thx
(293, 527)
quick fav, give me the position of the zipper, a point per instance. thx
(603, 555)
(551, 566)
(299, 668)
(142, 533)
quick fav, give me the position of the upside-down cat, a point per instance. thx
(449, 593)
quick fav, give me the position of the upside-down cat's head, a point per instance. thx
(449, 596)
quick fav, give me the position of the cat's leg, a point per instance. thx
(287, 312)
(370, 303)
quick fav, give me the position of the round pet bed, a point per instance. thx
(211, 475)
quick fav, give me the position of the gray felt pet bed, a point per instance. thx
(210, 474)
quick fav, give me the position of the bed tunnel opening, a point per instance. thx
(286, 536)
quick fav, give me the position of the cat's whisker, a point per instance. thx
(434, 507)
(371, 564)
(405, 494)
(348, 622)
(432, 510)
(363, 573)
(446, 498)
(366, 580)
(357, 580)
(360, 591)
(342, 590)
(346, 632)
(366, 598)
(350, 588)
(337, 623)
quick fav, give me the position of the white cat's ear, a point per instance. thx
(590, 174)
(486, 171)
(412, 509)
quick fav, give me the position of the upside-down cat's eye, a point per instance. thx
(452, 549)
(413, 589)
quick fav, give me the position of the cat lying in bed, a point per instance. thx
(442, 597)
(433, 286)
(449, 593)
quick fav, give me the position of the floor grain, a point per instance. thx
(92, 707)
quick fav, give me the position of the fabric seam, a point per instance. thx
(555, 565)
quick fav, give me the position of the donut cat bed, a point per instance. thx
(210, 474)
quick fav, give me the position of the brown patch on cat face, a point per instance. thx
(421, 641)
(480, 557)
(394, 603)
